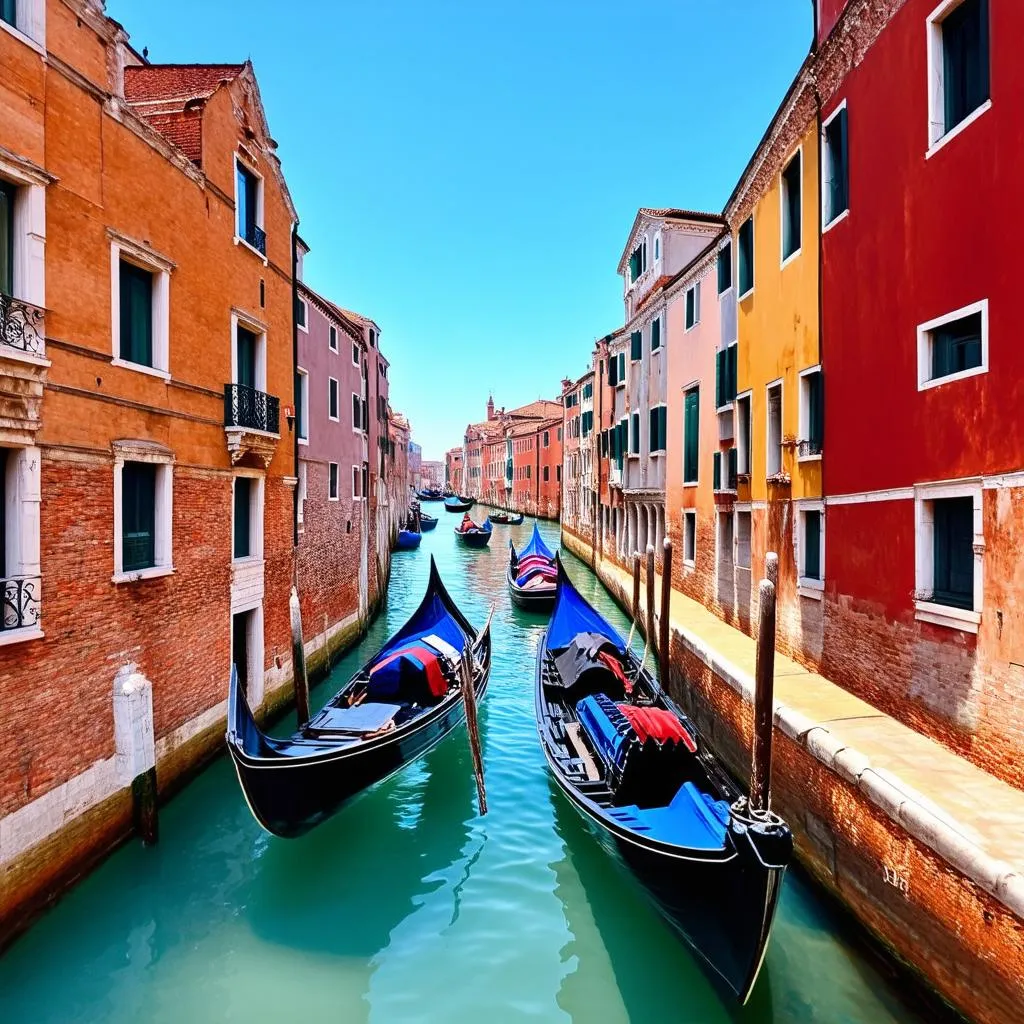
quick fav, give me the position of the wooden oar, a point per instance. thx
(472, 724)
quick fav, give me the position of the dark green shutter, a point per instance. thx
(662, 428)
(746, 256)
(655, 334)
(730, 364)
(243, 495)
(689, 308)
(812, 545)
(724, 268)
(7, 235)
(9, 12)
(635, 345)
(138, 516)
(691, 429)
(622, 368)
(954, 552)
(838, 182)
(136, 287)
(716, 471)
(246, 357)
(730, 481)
(652, 430)
(791, 222)
(635, 447)
(816, 412)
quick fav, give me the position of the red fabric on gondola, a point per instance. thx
(615, 666)
(657, 724)
(431, 667)
(531, 562)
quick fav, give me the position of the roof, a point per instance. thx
(146, 83)
(664, 213)
(535, 410)
(354, 330)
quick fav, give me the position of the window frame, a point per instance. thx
(253, 326)
(163, 509)
(260, 204)
(808, 586)
(333, 482)
(691, 388)
(925, 609)
(302, 411)
(739, 233)
(924, 346)
(139, 255)
(778, 384)
(256, 505)
(692, 292)
(719, 262)
(355, 353)
(938, 135)
(689, 537)
(303, 324)
(334, 388)
(358, 426)
(744, 434)
(332, 338)
(804, 412)
(785, 202)
(742, 510)
(828, 218)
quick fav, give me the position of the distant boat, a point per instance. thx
(468, 500)
(404, 701)
(532, 574)
(475, 536)
(502, 518)
(655, 796)
(427, 522)
(454, 504)
(429, 494)
(408, 540)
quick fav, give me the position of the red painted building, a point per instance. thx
(453, 470)
(922, 158)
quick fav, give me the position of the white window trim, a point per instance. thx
(924, 346)
(742, 508)
(238, 317)
(355, 354)
(965, 619)
(357, 480)
(694, 385)
(780, 384)
(691, 514)
(142, 256)
(303, 376)
(358, 429)
(753, 249)
(29, 235)
(337, 404)
(725, 244)
(661, 451)
(30, 29)
(937, 134)
(332, 329)
(337, 480)
(304, 327)
(24, 493)
(163, 542)
(806, 586)
(785, 260)
(695, 288)
(823, 185)
(662, 336)
(721, 516)
(804, 413)
(255, 516)
(260, 222)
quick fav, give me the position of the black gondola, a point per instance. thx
(429, 494)
(427, 522)
(502, 518)
(472, 535)
(399, 705)
(532, 574)
(635, 768)
(454, 504)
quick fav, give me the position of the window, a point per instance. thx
(725, 375)
(249, 206)
(834, 167)
(546, 438)
(774, 435)
(142, 510)
(725, 538)
(302, 314)
(634, 448)
(958, 65)
(812, 413)
(545, 474)
(136, 295)
(810, 548)
(613, 366)
(657, 428)
(743, 425)
(953, 346)
(245, 494)
(588, 391)
(636, 346)
(656, 334)
(332, 482)
(742, 533)
(558, 474)
(7, 196)
(692, 306)
(657, 247)
(745, 242)
(725, 268)
(791, 206)
(950, 547)
(355, 353)
(691, 435)
(301, 489)
(140, 318)
(9, 11)
(689, 536)
(302, 403)
(621, 375)
(332, 398)
(357, 422)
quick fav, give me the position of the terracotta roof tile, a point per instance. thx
(146, 82)
(184, 130)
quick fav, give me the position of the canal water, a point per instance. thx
(408, 906)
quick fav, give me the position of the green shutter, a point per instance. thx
(655, 334)
(662, 427)
(730, 481)
(7, 236)
(9, 12)
(716, 471)
(138, 516)
(136, 287)
(635, 446)
(954, 552)
(746, 256)
(622, 368)
(652, 430)
(812, 545)
(816, 412)
(635, 345)
(725, 268)
(246, 358)
(243, 494)
(838, 159)
(730, 364)
(691, 429)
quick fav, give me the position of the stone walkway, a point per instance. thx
(970, 818)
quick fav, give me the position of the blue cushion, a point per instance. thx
(607, 727)
(693, 819)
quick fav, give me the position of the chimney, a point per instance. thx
(490, 407)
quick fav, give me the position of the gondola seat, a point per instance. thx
(607, 727)
(415, 673)
(358, 721)
(693, 819)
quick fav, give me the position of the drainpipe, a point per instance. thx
(295, 389)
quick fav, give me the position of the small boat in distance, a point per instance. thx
(427, 522)
(532, 574)
(502, 518)
(404, 701)
(429, 494)
(657, 799)
(408, 540)
(455, 504)
(471, 535)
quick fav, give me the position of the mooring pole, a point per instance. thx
(771, 568)
(299, 661)
(636, 586)
(472, 726)
(651, 638)
(666, 602)
(764, 682)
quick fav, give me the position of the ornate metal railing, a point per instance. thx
(256, 237)
(21, 325)
(806, 448)
(247, 407)
(19, 602)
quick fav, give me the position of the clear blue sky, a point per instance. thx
(466, 171)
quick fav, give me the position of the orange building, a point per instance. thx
(149, 474)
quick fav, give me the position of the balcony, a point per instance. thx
(251, 422)
(256, 237)
(23, 366)
(19, 603)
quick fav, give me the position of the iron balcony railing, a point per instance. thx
(256, 237)
(19, 602)
(247, 407)
(21, 325)
(809, 447)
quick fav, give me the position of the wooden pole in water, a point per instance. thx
(472, 726)
(771, 568)
(650, 599)
(299, 661)
(666, 603)
(636, 587)
(764, 676)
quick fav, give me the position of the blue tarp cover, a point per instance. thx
(535, 546)
(574, 615)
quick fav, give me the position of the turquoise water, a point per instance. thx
(407, 906)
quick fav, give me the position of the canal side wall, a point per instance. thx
(943, 907)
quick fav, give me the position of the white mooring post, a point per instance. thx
(135, 747)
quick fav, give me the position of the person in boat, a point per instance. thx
(467, 523)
